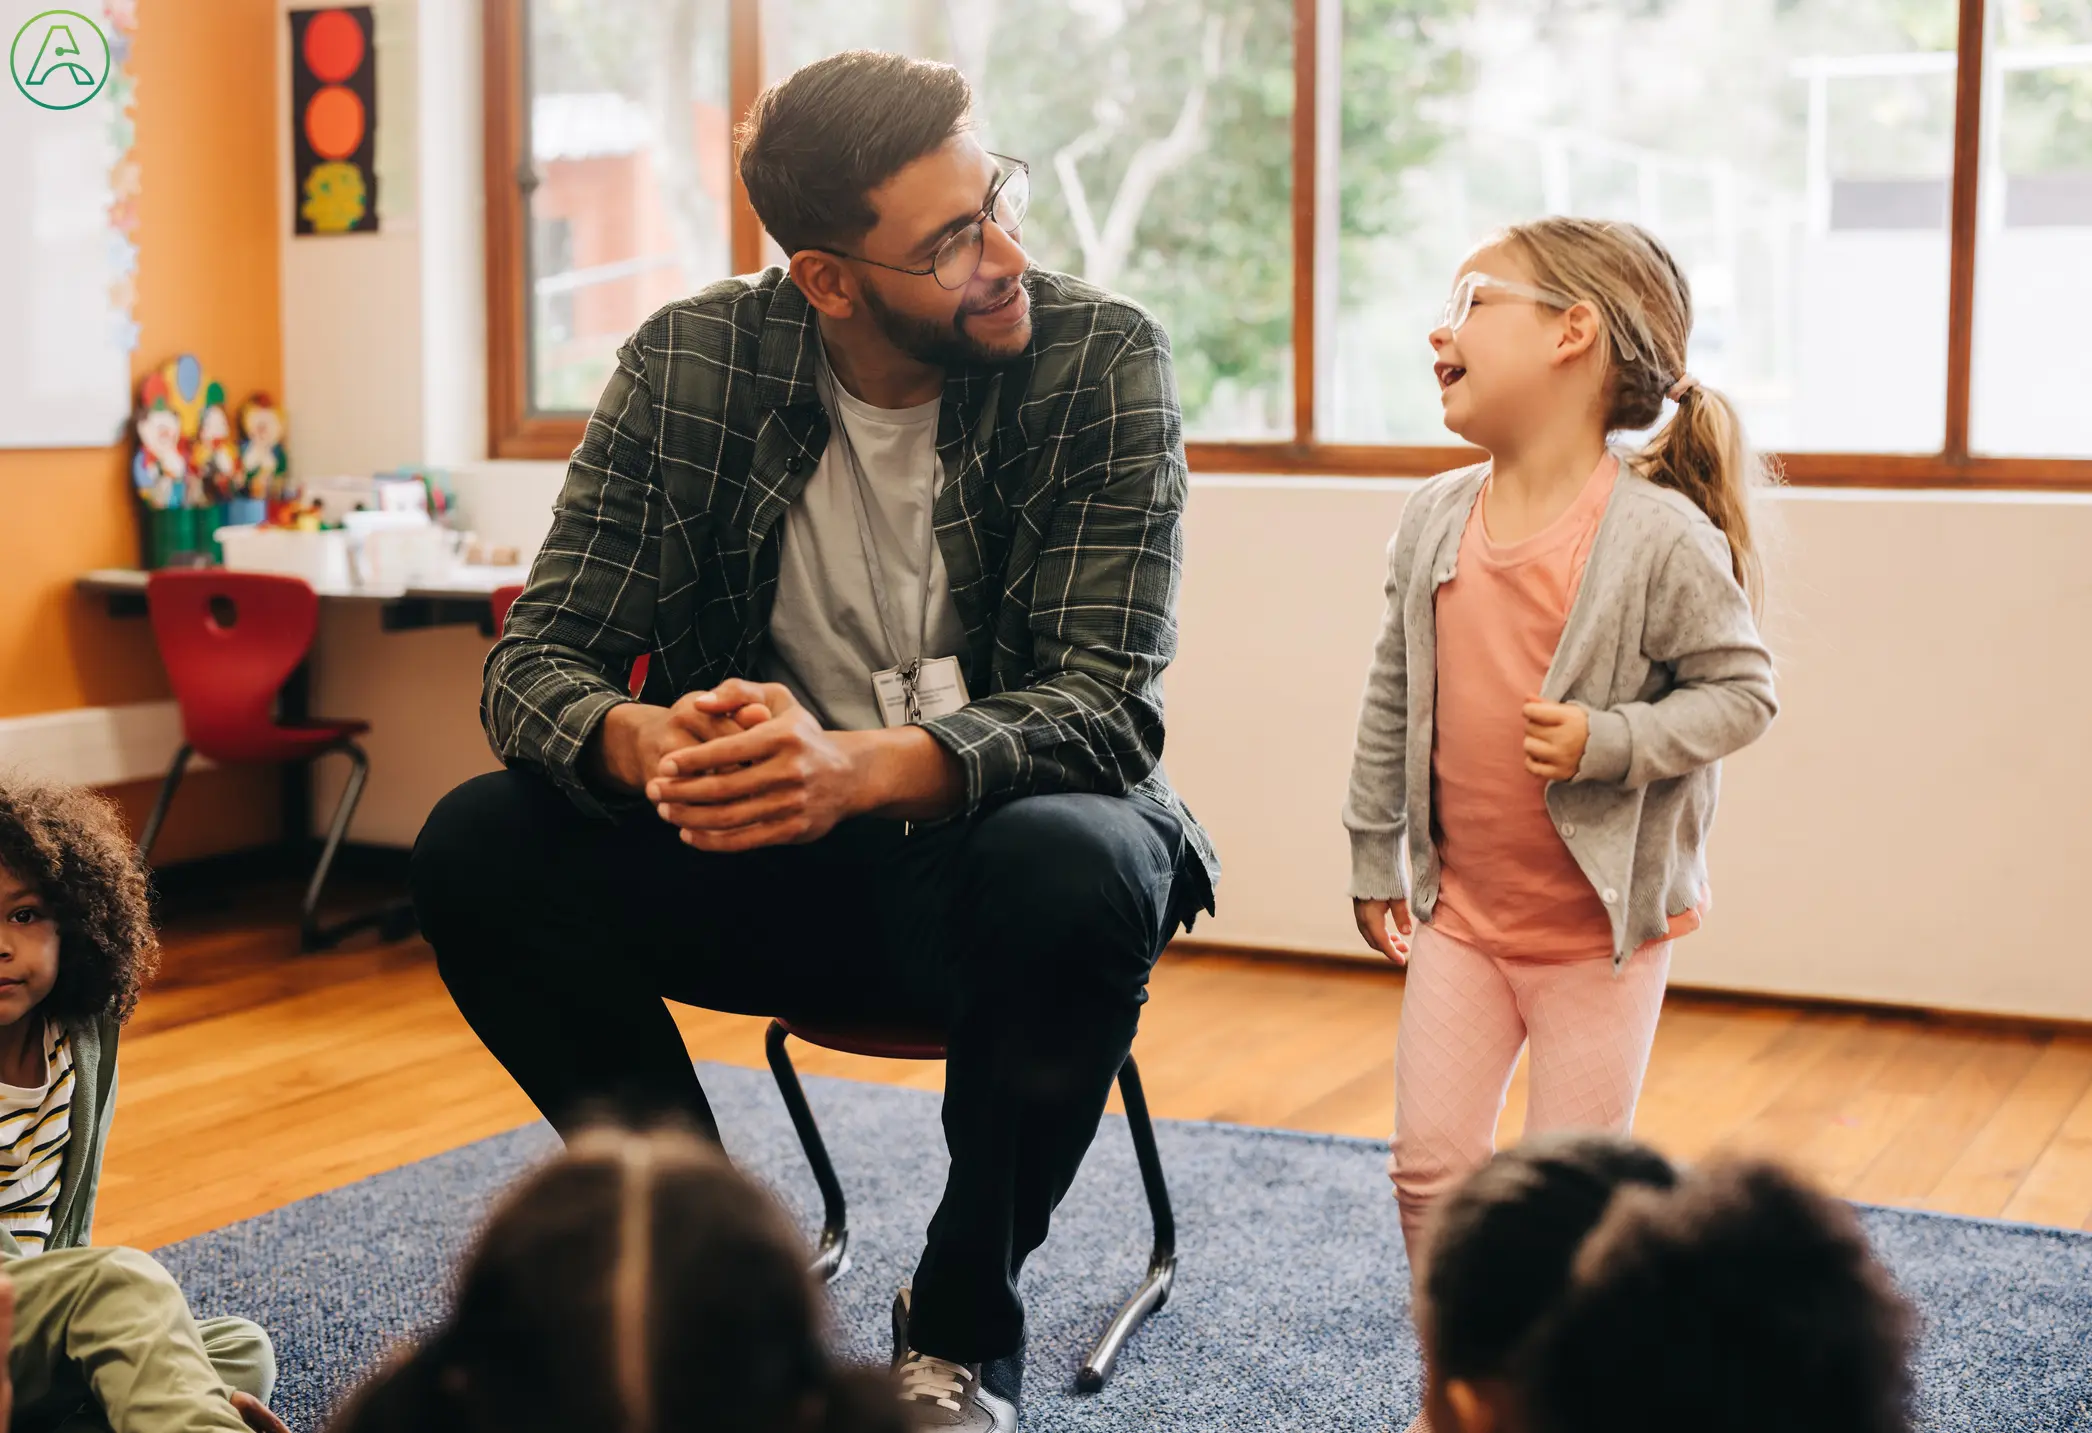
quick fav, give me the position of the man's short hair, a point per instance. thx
(816, 144)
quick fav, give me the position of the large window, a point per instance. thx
(1885, 206)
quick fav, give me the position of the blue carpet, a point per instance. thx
(1290, 1309)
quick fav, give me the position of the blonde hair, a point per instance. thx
(1645, 304)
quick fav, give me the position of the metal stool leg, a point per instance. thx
(395, 921)
(832, 1258)
(1162, 1262)
(165, 800)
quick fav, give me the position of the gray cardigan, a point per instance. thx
(1661, 650)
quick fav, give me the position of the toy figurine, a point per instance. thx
(216, 457)
(264, 465)
(160, 471)
(178, 463)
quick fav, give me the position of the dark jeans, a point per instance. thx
(1027, 934)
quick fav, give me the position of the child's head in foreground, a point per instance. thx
(636, 1284)
(1581, 1284)
(76, 934)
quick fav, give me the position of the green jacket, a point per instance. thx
(1060, 526)
(94, 1101)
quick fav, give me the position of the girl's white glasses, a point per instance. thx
(1462, 300)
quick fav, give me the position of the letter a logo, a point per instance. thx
(60, 59)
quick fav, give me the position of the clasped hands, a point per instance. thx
(741, 766)
(1556, 734)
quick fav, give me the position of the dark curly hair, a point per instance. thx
(1743, 1299)
(70, 846)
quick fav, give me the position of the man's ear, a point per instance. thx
(1581, 328)
(827, 283)
(1478, 1408)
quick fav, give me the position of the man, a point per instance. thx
(901, 529)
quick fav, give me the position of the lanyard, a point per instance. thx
(909, 667)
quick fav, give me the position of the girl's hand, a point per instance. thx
(1373, 924)
(1555, 737)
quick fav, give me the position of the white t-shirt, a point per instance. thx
(35, 1126)
(825, 639)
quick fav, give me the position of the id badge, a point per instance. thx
(940, 690)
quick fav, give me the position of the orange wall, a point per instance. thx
(207, 284)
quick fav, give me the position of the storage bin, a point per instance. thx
(321, 558)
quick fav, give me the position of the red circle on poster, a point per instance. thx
(333, 45)
(334, 123)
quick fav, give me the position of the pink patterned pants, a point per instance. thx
(1465, 1017)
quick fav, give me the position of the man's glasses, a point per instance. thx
(1462, 300)
(958, 258)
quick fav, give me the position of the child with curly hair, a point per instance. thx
(101, 1338)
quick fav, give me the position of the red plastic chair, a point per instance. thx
(894, 1042)
(503, 598)
(229, 641)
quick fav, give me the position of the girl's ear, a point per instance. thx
(1580, 331)
(828, 286)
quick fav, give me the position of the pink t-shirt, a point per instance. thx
(1508, 886)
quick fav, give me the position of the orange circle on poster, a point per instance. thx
(333, 45)
(334, 123)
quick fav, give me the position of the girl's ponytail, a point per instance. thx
(1701, 453)
(1645, 304)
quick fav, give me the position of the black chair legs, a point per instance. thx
(831, 1259)
(393, 922)
(165, 800)
(1154, 1288)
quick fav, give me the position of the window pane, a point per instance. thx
(2034, 246)
(630, 149)
(1159, 135)
(1795, 155)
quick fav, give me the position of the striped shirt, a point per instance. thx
(34, 1127)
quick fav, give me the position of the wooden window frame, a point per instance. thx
(516, 431)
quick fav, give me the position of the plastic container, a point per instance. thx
(321, 558)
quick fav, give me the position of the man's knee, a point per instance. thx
(1082, 882)
(472, 846)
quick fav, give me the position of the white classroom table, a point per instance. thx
(462, 599)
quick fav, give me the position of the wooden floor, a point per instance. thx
(253, 1076)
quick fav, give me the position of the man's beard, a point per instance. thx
(927, 341)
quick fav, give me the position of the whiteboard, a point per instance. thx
(65, 339)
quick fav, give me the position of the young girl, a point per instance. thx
(1569, 651)
(1579, 1284)
(636, 1284)
(101, 1335)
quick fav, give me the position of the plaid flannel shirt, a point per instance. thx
(1060, 524)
